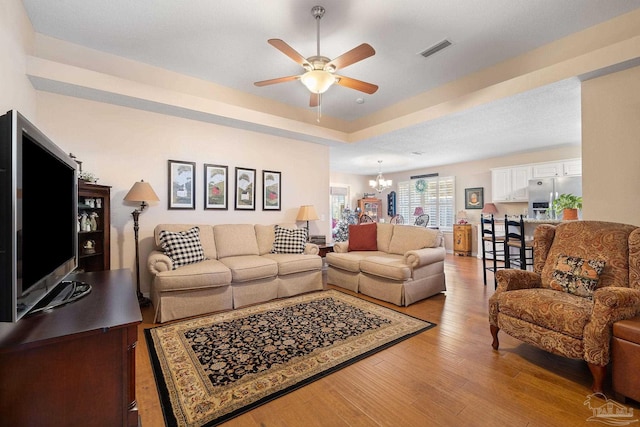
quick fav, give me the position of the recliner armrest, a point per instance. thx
(158, 262)
(617, 297)
(511, 279)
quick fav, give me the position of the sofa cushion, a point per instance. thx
(235, 240)
(557, 311)
(349, 261)
(576, 276)
(266, 235)
(250, 267)
(390, 267)
(408, 237)
(288, 241)
(209, 273)
(363, 237)
(295, 263)
(206, 236)
(183, 247)
(385, 231)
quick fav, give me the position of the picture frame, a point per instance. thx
(474, 198)
(271, 190)
(182, 184)
(216, 185)
(245, 196)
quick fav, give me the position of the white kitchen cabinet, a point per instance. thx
(547, 170)
(510, 184)
(571, 167)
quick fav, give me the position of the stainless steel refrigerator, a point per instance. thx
(543, 191)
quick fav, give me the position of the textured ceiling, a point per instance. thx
(225, 42)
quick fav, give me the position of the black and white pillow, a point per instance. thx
(183, 247)
(289, 241)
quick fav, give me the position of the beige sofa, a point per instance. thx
(238, 270)
(406, 266)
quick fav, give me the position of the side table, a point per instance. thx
(325, 249)
(462, 239)
(625, 356)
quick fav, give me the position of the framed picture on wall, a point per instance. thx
(216, 193)
(245, 189)
(182, 185)
(474, 198)
(271, 190)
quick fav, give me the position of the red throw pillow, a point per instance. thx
(363, 237)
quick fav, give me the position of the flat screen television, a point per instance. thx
(38, 216)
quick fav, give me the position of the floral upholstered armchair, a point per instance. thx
(586, 276)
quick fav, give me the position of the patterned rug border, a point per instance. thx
(156, 364)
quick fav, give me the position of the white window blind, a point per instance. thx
(437, 200)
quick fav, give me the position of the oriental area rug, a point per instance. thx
(212, 368)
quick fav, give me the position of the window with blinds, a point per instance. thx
(435, 195)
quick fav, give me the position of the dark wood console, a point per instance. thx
(74, 365)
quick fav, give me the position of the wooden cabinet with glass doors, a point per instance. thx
(371, 207)
(94, 227)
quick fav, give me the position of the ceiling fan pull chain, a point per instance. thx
(319, 107)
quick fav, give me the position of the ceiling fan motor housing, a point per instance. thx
(317, 12)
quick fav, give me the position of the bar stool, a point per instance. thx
(515, 238)
(497, 248)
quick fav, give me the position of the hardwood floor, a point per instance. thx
(447, 376)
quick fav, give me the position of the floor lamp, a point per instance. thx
(140, 192)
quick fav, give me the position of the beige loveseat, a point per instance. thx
(239, 269)
(404, 264)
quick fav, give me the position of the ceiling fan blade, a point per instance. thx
(356, 84)
(354, 55)
(278, 80)
(290, 52)
(314, 100)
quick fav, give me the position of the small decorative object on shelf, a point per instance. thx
(83, 176)
(94, 225)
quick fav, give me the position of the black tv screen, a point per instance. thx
(38, 216)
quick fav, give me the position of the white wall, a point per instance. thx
(16, 41)
(611, 147)
(122, 145)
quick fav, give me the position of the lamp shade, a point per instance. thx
(307, 213)
(419, 211)
(489, 208)
(141, 192)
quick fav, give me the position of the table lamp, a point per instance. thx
(307, 213)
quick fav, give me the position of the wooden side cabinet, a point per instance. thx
(371, 207)
(94, 241)
(74, 365)
(462, 239)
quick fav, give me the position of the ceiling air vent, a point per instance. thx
(435, 48)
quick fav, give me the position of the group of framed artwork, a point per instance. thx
(182, 188)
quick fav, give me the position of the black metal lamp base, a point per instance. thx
(143, 301)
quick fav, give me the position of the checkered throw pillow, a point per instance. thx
(289, 241)
(182, 247)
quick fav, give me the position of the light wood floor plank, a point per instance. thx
(447, 376)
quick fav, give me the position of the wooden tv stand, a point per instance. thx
(74, 365)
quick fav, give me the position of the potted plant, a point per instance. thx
(567, 205)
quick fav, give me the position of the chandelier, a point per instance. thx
(380, 184)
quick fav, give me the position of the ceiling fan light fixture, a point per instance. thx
(317, 81)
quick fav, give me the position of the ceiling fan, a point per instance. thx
(319, 70)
